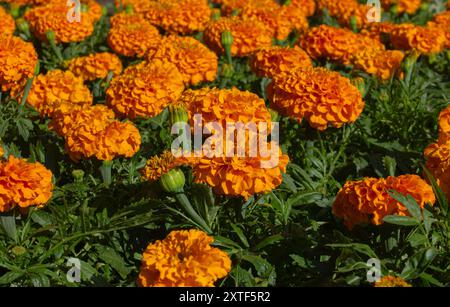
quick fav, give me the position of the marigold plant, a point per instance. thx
(184, 258)
(193, 59)
(368, 200)
(248, 35)
(50, 90)
(24, 184)
(320, 96)
(132, 36)
(144, 90)
(95, 66)
(272, 61)
(18, 60)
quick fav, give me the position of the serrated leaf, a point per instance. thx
(110, 256)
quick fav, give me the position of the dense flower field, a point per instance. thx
(119, 167)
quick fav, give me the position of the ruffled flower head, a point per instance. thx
(7, 23)
(95, 66)
(144, 90)
(320, 96)
(368, 200)
(194, 60)
(185, 258)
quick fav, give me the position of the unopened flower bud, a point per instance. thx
(173, 181)
(177, 114)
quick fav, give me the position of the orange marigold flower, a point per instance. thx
(269, 15)
(403, 6)
(320, 96)
(194, 60)
(336, 44)
(343, 10)
(438, 163)
(24, 184)
(381, 63)
(272, 61)
(139, 6)
(296, 17)
(363, 201)
(441, 22)
(7, 23)
(159, 165)
(307, 6)
(118, 139)
(179, 16)
(229, 7)
(248, 35)
(185, 258)
(376, 30)
(424, 40)
(53, 17)
(18, 61)
(225, 105)
(240, 176)
(92, 131)
(444, 125)
(391, 281)
(95, 66)
(68, 116)
(50, 90)
(144, 90)
(132, 36)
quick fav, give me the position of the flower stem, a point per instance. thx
(105, 169)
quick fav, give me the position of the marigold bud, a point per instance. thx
(173, 181)
(227, 70)
(227, 41)
(177, 114)
(359, 83)
(354, 23)
(274, 115)
(78, 175)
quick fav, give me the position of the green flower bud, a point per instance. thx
(394, 9)
(37, 69)
(129, 9)
(287, 2)
(78, 175)
(84, 8)
(215, 15)
(424, 6)
(23, 26)
(177, 113)
(50, 36)
(18, 250)
(227, 41)
(14, 11)
(173, 181)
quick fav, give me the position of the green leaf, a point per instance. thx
(401, 220)
(304, 198)
(268, 241)
(442, 200)
(110, 256)
(390, 164)
(298, 260)
(24, 126)
(8, 223)
(409, 202)
(9, 277)
(87, 271)
(240, 234)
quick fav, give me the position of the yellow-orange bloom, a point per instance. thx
(225, 105)
(159, 165)
(7, 24)
(230, 7)
(272, 61)
(248, 35)
(343, 10)
(132, 36)
(144, 90)
(425, 40)
(53, 16)
(93, 132)
(444, 125)
(441, 22)
(437, 156)
(336, 44)
(185, 258)
(95, 66)
(50, 90)
(363, 201)
(24, 184)
(307, 6)
(194, 60)
(179, 16)
(320, 96)
(391, 281)
(18, 61)
(381, 63)
(403, 6)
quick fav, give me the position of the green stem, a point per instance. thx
(105, 169)
(26, 93)
(186, 204)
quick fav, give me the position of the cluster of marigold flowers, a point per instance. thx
(437, 154)
(23, 184)
(368, 200)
